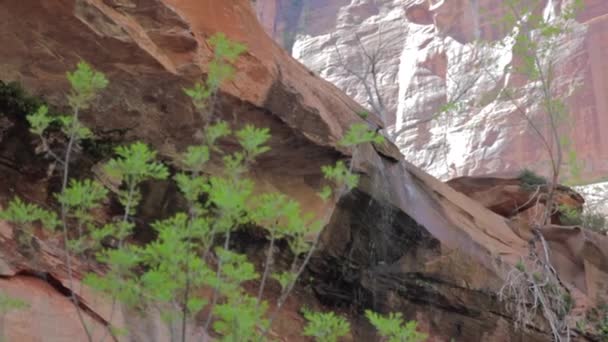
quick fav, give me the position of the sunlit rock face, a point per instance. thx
(429, 58)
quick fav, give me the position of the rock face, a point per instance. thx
(572, 248)
(509, 197)
(401, 242)
(429, 58)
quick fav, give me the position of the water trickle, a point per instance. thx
(380, 235)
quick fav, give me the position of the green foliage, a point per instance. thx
(83, 195)
(220, 70)
(363, 114)
(8, 304)
(252, 140)
(216, 131)
(284, 278)
(119, 281)
(590, 220)
(226, 49)
(86, 84)
(72, 127)
(359, 134)
(135, 163)
(195, 158)
(40, 120)
(531, 179)
(199, 95)
(240, 319)
(569, 216)
(393, 328)
(20, 212)
(325, 192)
(228, 195)
(325, 326)
(340, 175)
(24, 215)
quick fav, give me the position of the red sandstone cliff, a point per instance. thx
(403, 241)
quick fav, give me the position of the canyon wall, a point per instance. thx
(429, 57)
(402, 241)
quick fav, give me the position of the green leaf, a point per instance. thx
(86, 84)
(216, 131)
(73, 128)
(225, 48)
(199, 94)
(135, 163)
(325, 327)
(252, 140)
(8, 304)
(195, 158)
(21, 213)
(40, 120)
(325, 193)
(230, 196)
(285, 279)
(340, 175)
(393, 328)
(196, 304)
(363, 114)
(240, 319)
(191, 187)
(359, 134)
(235, 267)
(84, 195)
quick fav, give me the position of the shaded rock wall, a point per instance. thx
(429, 59)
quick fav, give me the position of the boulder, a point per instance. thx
(509, 197)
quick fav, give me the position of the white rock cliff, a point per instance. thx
(429, 58)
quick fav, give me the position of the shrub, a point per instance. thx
(393, 328)
(325, 326)
(530, 179)
(590, 220)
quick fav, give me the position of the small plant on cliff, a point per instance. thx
(531, 180)
(25, 215)
(587, 219)
(569, 216)
(392, 327)
(8, 304)
(325, 326)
